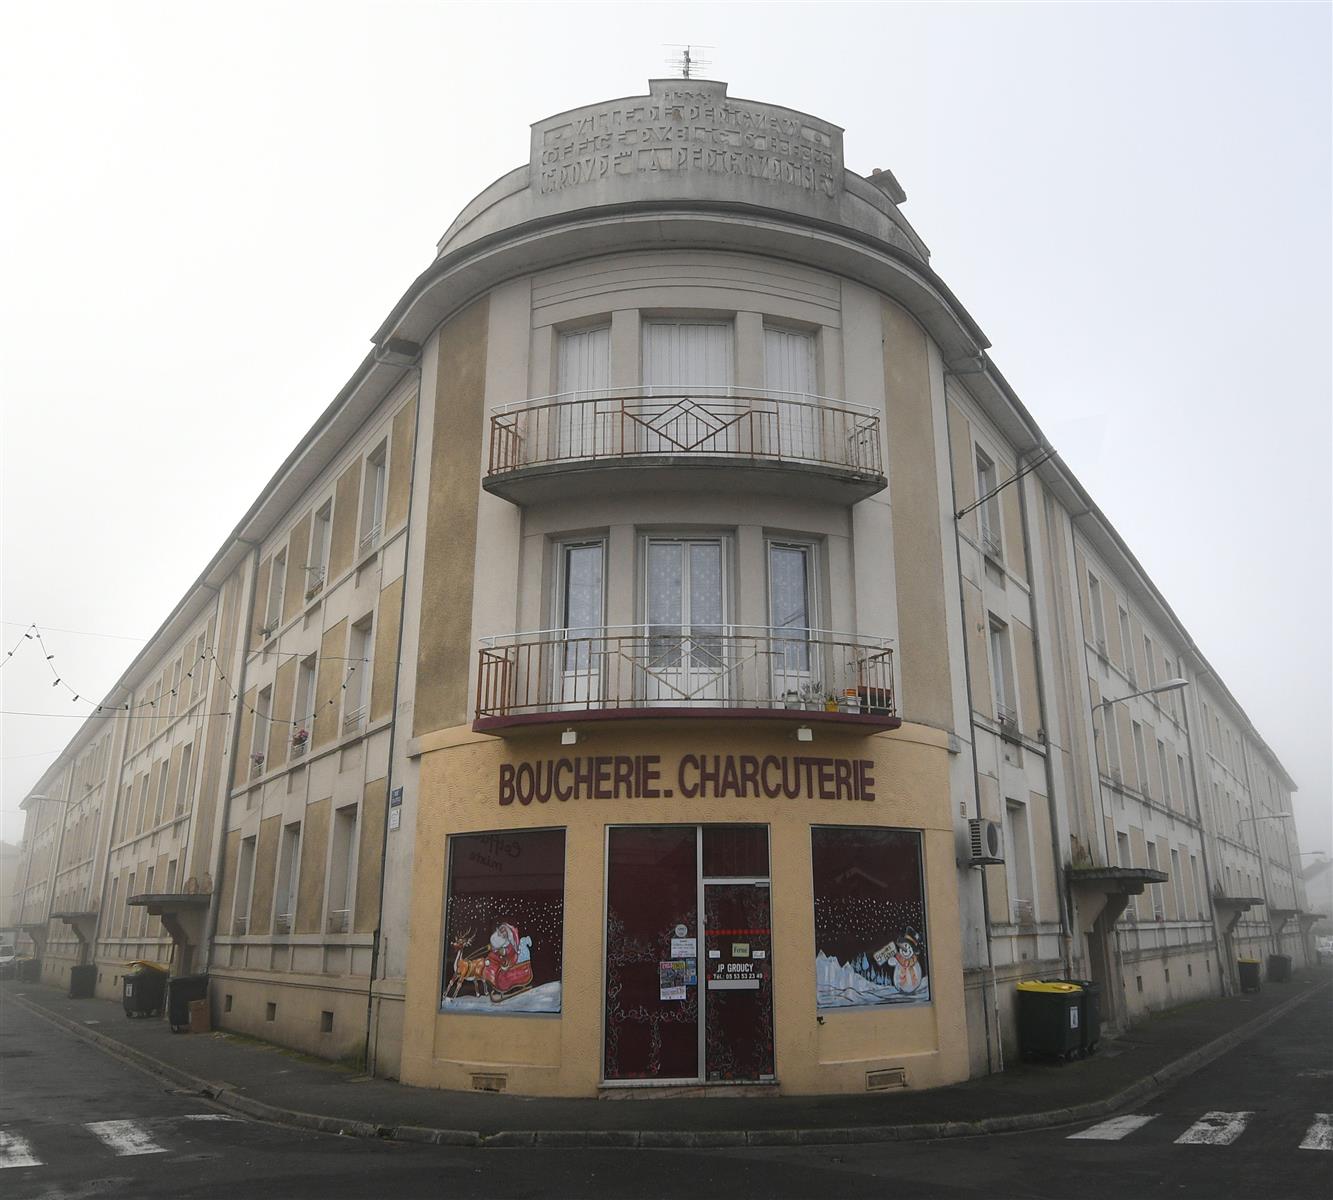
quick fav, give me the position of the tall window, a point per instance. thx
(1198, 886)
(1018, 862)
(321, 538)
(1166, 774)
(276, 582)
(1002, 672)
(988, 514)
(284, 900)
(1141, 759)
(1184, 783)
(342, 869)
(372, 497)
(583, 424)
(185, 782)
(1127, 644)
(580, 614)
(1149, 661)
(259, 735)
(790, 615)
(791, 427)
(303, 705)
(1178, 885)
(694, 359)
(358, 664)
(1112, 728)
(1097, 613)
(160, 804)
(1158, 909)
(245, 877)
(685, 605)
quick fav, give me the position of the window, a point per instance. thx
(870, 917)
(285, 896)
(129, 891)
(276, 581)
(342, 869)
(173, 704)
(142, 804)
(1002, 672)
(1018, 862)
(1123, 850)
(245, 877)
(1112, 727)
(1127, 646)
(791, 425)
(694, 355)
(1149, 661)
(160, 803)
(1141, 758)
(1198, 887)
(355, 690)
(259, 734)
(584, 423)
(372, 498)
(170, 887)
(321, 538)
(1097, 613)
(685, 603)
(1166, 774)
(1157, 908)
(988, 511)
(580, 614)
(504, 922)
(197, 668)
(790, 617)
(1184, 783)
(303, 705)
(185, 781)
(1178, 885)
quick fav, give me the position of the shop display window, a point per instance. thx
(870, 917)
(504, 922)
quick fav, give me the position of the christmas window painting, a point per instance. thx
(870, 918)
(504, 922)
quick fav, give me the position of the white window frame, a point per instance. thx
(576, 680)
(725, 542)
(374, 488)
(990, 526)
(1002, 671)
(1097, 611)
(321, 544)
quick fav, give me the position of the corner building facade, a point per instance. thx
(624, 663)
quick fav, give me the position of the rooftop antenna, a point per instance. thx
(686, 61)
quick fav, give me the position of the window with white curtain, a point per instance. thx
(791, 423)
(580, 615)
(790, 613)
(581, 423)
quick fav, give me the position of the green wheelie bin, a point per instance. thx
(1050, 1021)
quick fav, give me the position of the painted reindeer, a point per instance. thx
(467, 970)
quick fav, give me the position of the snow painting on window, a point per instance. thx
(504, 924)
(870, 918)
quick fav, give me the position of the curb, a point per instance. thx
(671, 1139)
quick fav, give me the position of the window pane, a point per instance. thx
(504, 928)
(789, 602)
(870, 917)
(735, 850)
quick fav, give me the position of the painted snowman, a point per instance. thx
(906, 965)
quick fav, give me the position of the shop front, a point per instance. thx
(639, 917)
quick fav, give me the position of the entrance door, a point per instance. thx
(656, 1026)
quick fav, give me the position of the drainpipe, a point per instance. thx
(1066, 940)
(229, 771)
(377, 939)
(994, 1010)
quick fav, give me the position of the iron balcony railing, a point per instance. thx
(660, 667)
(716, 422)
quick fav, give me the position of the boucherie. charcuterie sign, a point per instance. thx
(694, 777)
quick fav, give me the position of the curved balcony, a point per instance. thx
(543, 448)
(652, 672)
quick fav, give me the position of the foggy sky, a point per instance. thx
(211, 209)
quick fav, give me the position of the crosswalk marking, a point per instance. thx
(210, 1117)
(125, 1137)
(1114, 1129)
(16, 1151)
(1215, 1129)
(1320, 1135)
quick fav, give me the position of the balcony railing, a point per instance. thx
(708, 423)
(338, 920)
(657, 670)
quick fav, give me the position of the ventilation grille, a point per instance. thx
(489, 1083)
(890, 1077)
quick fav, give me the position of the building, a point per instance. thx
(675, 657)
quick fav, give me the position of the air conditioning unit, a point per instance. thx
(986, 842)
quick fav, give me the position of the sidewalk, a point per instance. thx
(279, 1085)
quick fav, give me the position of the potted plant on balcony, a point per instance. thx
(257, 762)
(812, 695)
(299, 738)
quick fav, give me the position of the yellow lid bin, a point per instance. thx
(147, 964)
(1040, 985)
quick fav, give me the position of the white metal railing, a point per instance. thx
(354, 719)
(648, 422)
(338, 920)
(684, 668)
(369, 539)
(990, 542)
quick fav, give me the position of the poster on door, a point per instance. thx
(870, 918)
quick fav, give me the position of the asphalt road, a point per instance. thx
(75, 1122)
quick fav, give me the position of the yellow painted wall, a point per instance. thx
(328, 685)
(280, 727)
(261, 603)
(918, 550)
(266, 861)
(370, 855)
(242, 771)
(445, 648)
(314, 852)
(385, 667)
(231, 850)
(546, 1055)
(400, 466)
(342, 538)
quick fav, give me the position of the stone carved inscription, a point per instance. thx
(686, 131)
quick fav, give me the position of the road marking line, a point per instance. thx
(209, 1117)
(1215, 1129)
(16, 1151)
(1320, 1135)
(1114, 1129)
(125, 1137)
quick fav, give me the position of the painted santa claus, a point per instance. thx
(508, 966)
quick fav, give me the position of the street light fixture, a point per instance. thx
(1171, 685)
